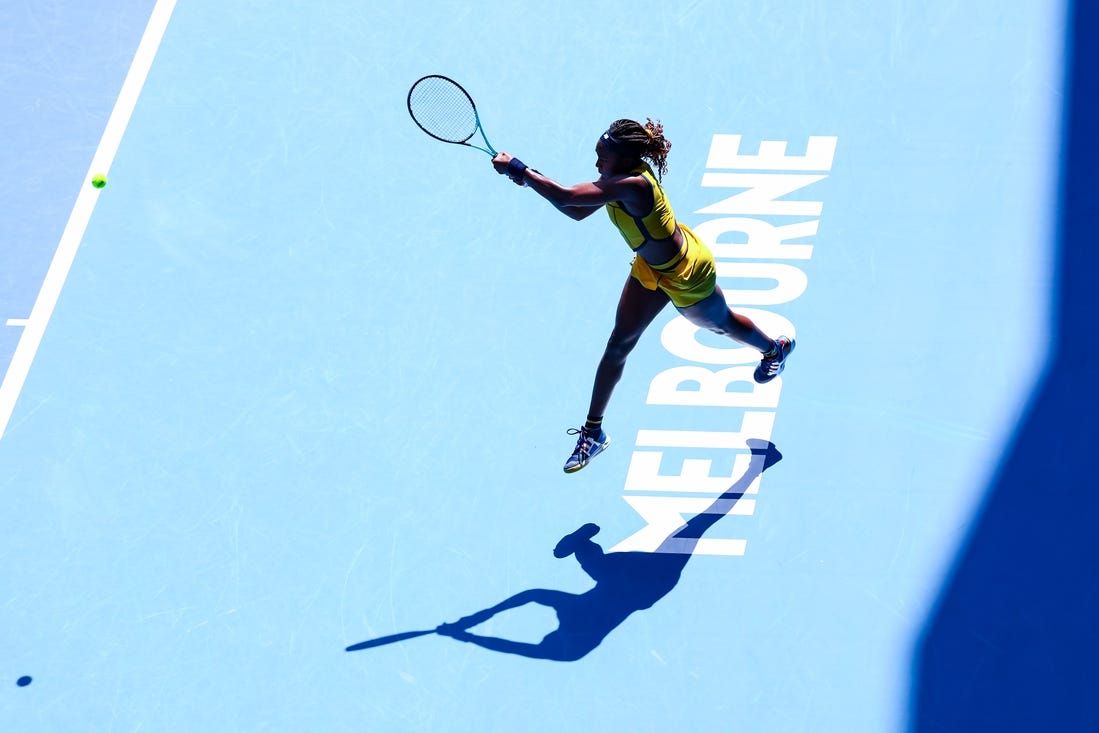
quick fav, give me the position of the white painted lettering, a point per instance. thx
(735, 235)
(762, 190)
(725, 153)
(694, 475)
(764, 241)
(664, 515)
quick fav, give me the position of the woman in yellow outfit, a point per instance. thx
(671, 262)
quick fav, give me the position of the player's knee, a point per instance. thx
(620, 345)
(720, 322)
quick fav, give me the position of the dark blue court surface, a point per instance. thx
(1010, 644)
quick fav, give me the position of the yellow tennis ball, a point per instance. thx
(99, 180)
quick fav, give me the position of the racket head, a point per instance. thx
(443, 109)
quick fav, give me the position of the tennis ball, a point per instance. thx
(99, 180)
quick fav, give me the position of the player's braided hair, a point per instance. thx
(645, 142)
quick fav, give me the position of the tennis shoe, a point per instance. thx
(774, 361)
(590, 444)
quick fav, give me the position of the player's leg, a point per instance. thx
(637, 307)
(714, 314)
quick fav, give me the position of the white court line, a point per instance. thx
(35, 324)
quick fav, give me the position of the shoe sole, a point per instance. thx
(606, 444)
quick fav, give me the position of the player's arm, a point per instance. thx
(577, 212)
(580, 200)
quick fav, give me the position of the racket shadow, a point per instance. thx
(391, 639)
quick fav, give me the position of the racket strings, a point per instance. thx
(443, 109)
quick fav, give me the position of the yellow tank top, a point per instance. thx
(657, 224)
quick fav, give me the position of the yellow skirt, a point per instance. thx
(692, 279)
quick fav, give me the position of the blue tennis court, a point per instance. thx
(298, 379)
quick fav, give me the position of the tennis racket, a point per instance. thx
(444, 110)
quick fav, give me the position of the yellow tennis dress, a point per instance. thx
(688, 277)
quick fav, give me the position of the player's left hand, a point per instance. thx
(500, 163)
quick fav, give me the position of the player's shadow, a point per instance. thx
(625, 582)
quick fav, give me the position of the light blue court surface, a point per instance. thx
(307, 381)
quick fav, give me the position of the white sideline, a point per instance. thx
(35, 325)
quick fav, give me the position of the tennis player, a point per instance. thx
(671, 264)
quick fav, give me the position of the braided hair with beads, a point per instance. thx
(631, 139)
